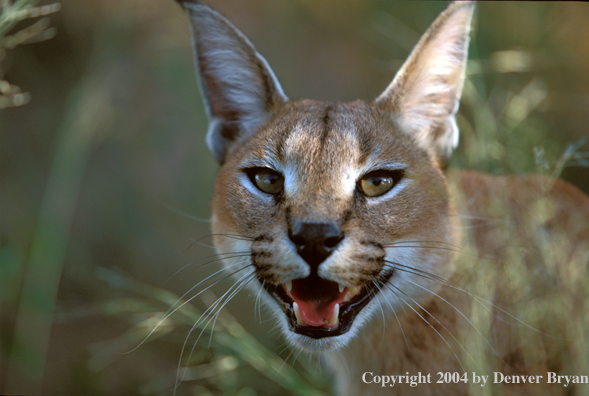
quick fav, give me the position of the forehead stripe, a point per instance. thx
(326, 121)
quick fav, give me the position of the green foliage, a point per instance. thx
(230, 346)
(11, 14)
(116, 134)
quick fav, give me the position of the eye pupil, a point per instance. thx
(379, 182)
(266, 180)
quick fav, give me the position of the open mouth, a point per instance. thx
(319, 308)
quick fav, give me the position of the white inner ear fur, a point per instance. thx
(233, 77)
(440, 77)
(425, 93)
(241, 89)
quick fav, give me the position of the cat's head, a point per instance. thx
(332, 209)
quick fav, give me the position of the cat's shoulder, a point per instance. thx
(530, 202)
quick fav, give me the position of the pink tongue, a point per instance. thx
(316, 312)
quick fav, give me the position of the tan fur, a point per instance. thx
(488, 202)
(460, 228)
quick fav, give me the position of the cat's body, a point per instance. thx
(505, 220)
(367, 250)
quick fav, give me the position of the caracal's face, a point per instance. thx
(324, 251)
(331, 210)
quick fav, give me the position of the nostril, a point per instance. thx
(296, 239)
(315, 241)
(333, 241)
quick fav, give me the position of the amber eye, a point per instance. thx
(379, 182)
(267, 180)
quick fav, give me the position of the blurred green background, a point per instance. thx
(105, 177)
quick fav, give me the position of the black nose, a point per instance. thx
(315, 241)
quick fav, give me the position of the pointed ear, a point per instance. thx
(239, 88)
(424, 96)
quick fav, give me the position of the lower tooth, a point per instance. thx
(295, 307)
(334, 316)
